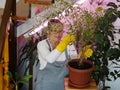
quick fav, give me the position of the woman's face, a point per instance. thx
(56, 36)
(56, 33)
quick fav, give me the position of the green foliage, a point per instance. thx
(54, 10)
(24, 79)
(29, 52)
(16, 80)
(106, 48)
(82, 24)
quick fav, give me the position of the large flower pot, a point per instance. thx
(79, 78)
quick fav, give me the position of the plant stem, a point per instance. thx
(16, 86)
(81, 57)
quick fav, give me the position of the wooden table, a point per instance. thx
(92, 86)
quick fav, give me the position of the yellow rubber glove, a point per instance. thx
(64, 42)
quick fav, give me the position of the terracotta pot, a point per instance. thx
(77, 77)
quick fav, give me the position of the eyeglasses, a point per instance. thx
(53, 21)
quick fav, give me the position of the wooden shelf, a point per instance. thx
(19, 18)
(92, 86)
(42, 2)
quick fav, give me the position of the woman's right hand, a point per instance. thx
(64, 42)
(68, 39)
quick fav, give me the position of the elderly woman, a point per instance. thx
(53, 54)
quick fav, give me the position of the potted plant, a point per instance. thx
(28, 57)
(107, 50)
(16, 80)
(83, 27)
(95, 29)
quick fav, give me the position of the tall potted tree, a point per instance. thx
(95, 29)
(107, 50)
(83, 27)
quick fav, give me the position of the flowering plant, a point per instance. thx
(97, 29)
(83, 26)
(86, 52)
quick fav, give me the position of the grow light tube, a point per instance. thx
(79, 2)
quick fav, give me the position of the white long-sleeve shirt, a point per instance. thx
(46, 56)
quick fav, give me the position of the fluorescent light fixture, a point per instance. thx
(45, 23)
(81, 1)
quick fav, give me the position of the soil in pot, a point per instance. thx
(83, 65)
(79, 76)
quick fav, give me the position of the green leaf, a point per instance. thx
(116, 63)
(105, 70)
(118, 13)
(112, 18)
(26, 77)
(119, 43)
(112, 4)
(106, 88)
(24, 81)
(118, 75)
(10, 74)
(113, 53)
(16, 76)
(115, 71)
(113, 74)
(110, 33)
(99, 38)
(109, 79)
(118, 0)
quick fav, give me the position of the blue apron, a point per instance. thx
(52, 76)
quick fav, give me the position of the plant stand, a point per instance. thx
(91, 86)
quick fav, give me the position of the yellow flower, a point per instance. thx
(88, 52)
(87, 47)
